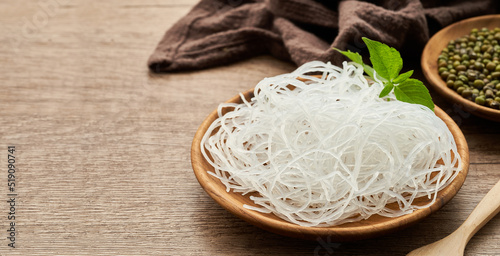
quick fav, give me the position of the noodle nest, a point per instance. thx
(321, 148)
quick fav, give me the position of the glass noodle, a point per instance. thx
(322, 151)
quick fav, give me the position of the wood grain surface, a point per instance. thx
(454, 244)
(103, 146)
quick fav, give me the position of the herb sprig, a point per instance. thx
(387, 64)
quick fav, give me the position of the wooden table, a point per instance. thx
(103, 146)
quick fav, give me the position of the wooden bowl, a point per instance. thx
(374, 226)
(432, 51)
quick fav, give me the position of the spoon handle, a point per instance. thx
(484, 211)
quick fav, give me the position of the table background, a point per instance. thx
(103, 146)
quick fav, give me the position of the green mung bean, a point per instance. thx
(470, 65)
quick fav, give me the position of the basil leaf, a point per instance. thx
(402, 77)
(414, 91)
(387, 89)
(354, 56)
(385, 60)
(387, 64)
(370, 72)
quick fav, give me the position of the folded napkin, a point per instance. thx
(217, 32)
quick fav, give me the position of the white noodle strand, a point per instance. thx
(325, 151)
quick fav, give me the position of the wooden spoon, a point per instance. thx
(455, 243)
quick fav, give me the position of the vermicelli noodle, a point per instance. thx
(322, 151)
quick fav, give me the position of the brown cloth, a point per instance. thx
(217, 32)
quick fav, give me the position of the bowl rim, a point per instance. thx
(429, 67)
(341, 233)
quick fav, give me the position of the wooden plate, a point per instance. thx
(430, 66)
(369, 228)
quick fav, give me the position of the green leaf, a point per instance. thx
(354, 56)
(387, 89)
(385, 60)
(401, 78)
(414, 91)
(387, 64)
(370, 72)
